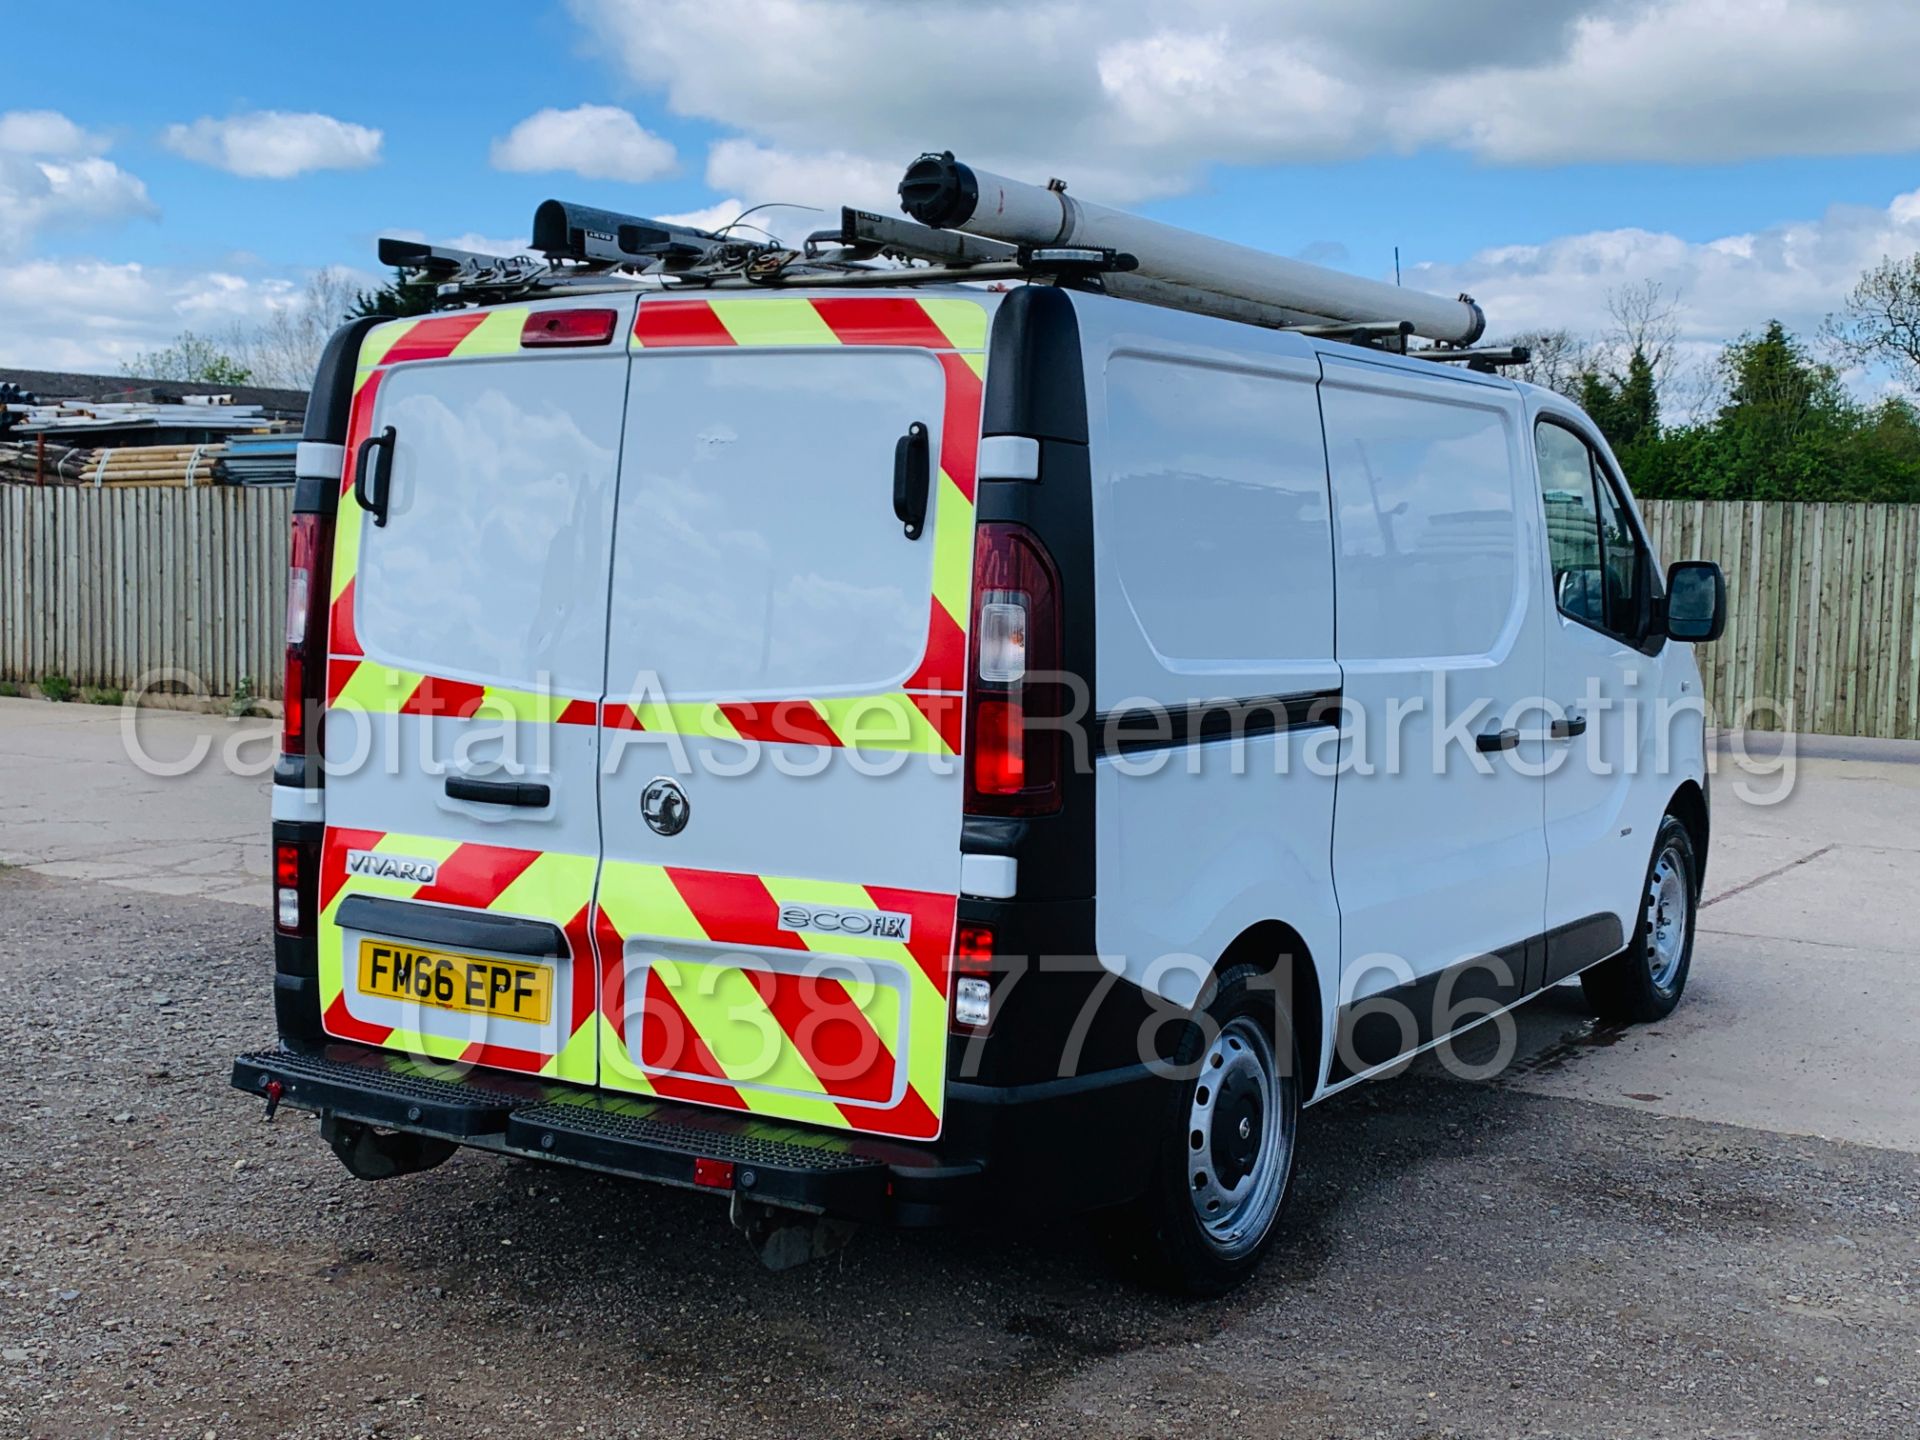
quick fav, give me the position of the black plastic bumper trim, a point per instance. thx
(457, 929)
(1038, 1092)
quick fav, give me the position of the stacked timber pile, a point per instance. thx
(28, 462)
(154, 465)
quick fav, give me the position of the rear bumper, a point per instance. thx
(1067, 1145)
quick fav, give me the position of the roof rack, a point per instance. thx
(1027, 234)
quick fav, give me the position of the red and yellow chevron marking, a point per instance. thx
(536, 885)
(461, 335)
(723, 1022)
(376, 689)
(922, 323)
(918, 722)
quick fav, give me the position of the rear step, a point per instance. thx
(771, 1162)
(385, 1090)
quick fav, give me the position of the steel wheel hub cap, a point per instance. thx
(1239, 1151)
(1669, 907)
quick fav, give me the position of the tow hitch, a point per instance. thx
(372, 1154)
(784, 1238)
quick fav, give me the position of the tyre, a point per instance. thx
(1645, 981)
(1225, 1162)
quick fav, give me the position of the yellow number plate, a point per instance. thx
(510, 989)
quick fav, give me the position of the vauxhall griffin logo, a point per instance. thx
(375, 866)
(663, 805)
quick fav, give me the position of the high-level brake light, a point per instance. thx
(551, 329)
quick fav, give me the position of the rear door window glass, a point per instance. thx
(492, 564)
(757, 554)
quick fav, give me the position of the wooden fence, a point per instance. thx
(105, 586)
(1823, 612)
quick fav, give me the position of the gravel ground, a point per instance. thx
(1462, 1260)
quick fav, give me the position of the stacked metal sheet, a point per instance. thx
(258, 460)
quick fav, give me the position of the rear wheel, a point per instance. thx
(1226, 1160)
(1645, 981)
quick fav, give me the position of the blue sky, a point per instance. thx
(1538, 152)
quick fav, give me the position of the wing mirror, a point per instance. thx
(1696, 601)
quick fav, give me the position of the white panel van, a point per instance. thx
(929, 755)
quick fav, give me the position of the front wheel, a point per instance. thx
(1226, 1159)
(1645, 981)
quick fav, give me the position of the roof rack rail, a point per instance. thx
(1024, 233)
(1485, 359)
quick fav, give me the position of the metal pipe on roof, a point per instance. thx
(938, 190)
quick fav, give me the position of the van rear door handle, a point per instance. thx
(912, 476)
(1568, 728)
(373, 474)
(1496, 740)
(529, 794)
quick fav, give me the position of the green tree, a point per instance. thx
(191, 358)
(402, 297)
(1626, 406)
(1784, 430)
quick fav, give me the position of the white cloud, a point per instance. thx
(822, 180)
(711, 217)
(52, 177)
(1130, 100)
(47, 134)
(92, 316)
(599, 142)
(275, 144)
(1795, 272)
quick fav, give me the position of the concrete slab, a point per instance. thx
(155, 800)
(1774, 1034)
(1798, 1017)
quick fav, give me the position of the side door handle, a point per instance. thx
(529, 794)
(1568, 728)
(1490, 740)
(373, 474)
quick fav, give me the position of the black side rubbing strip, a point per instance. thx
(1129, 732)
(453, 929)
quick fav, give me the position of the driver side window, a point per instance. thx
(1596, 556)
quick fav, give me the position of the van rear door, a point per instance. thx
(467, 659)
(781, 794)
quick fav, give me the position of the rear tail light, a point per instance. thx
(546, 328)
(296, 879)
(308, 553)
(973, 984)
(1014, 765)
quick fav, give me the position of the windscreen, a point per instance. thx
(757, 553)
